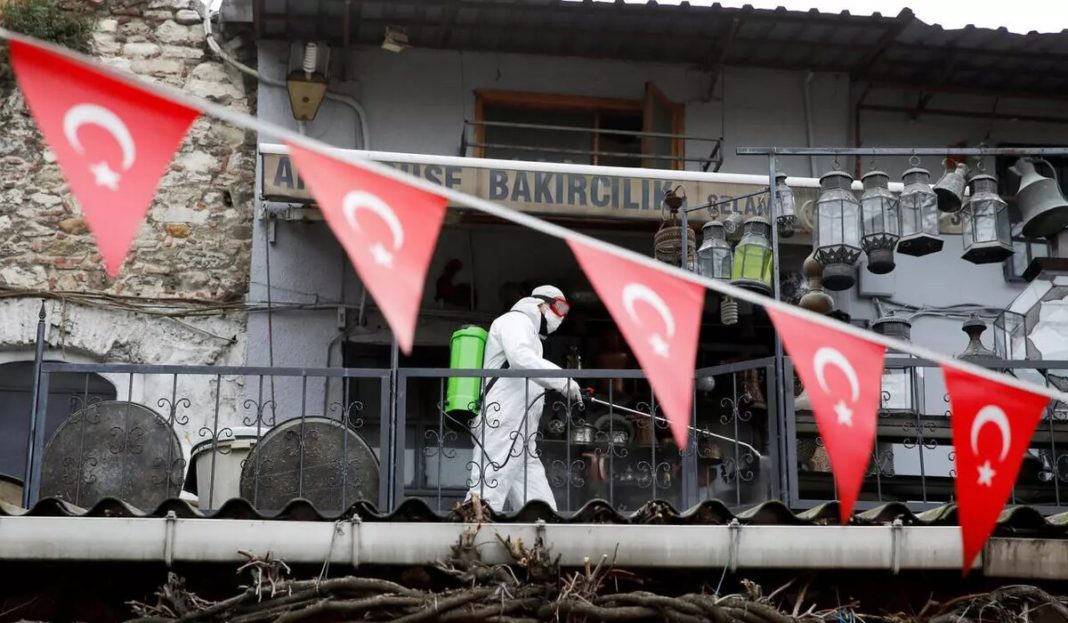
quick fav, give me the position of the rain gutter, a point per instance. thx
(169, 540)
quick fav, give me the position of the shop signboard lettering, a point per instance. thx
(562, 194)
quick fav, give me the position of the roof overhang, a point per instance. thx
(898, 50)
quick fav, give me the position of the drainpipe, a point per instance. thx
(809, 131)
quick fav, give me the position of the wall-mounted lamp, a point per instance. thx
(307, 79)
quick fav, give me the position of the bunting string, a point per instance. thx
(354, 157)
(659, 317)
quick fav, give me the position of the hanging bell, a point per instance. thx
(1043, 208)
(950, 189)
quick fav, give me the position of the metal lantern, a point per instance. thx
(881, 222)
(902, 386)
(985, 223)
(919, 215)
(815, 300)
(785, 207)
(714, 257)
(752, 266)
(838, 229)
(714, 260)
(667, 242)
(733, 225)
(976, 352)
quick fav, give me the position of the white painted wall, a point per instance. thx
(417, 101)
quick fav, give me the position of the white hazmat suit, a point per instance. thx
(506, 462)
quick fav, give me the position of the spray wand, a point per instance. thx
(590, 398)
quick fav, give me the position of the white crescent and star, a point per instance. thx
(990, 414)
(828, 356)
(357, 200)
(634, 292)
(93, 114)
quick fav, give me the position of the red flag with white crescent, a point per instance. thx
(388, 229)
(992, 428)
(660, 317)
(113, 140)
(843, 377)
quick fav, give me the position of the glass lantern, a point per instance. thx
(714, 257)
(985, 223)
(785, 207)
(902, 387)
(714, 260)
(881, 222)
(919, 215)
(838, 229)
(752, 266)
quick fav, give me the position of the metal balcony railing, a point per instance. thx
(339, 436)
(476, 147)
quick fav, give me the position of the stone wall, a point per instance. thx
(195, 241)
(191, 255)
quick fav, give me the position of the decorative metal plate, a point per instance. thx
(113, 449)
(314, 458)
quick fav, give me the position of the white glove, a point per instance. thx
(574, 392)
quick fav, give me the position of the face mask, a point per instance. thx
(550, 320)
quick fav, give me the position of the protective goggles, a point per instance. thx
(558, 306)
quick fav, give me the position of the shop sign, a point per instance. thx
(561, 194)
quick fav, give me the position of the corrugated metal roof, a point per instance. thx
(1014, 521)
(883, 49)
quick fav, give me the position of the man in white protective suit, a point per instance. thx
(506, 463)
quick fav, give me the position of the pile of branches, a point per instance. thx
(534, 588)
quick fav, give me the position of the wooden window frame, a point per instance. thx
(552, 101)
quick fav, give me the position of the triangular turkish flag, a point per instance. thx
(113, 140)
(992, 428)
(843, 377)
(388, 228)
(660, 317)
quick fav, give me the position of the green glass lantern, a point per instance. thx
(752, 267)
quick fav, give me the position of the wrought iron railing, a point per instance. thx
(338, 436)
(912, 462)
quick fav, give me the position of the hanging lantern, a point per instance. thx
(950, 189)
(752, 266)
(785, 207)
(667, 241)
(815, 300)
(919, 215)
(733, 225)
(985, 223)
(714, 260)
(902, 385)
(881, 222)
(838, 228)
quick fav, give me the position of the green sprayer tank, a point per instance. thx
(466, 350)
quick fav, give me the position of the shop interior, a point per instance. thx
(480, 268)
